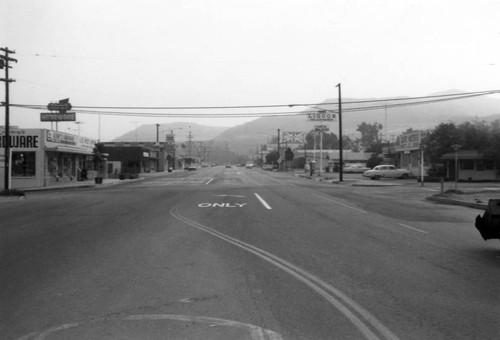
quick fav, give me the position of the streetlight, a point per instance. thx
(456, 147)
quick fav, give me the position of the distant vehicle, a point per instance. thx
(204, 165)
(191, 167)
(228, 166)
(355, 169)
(268, 167)
(386, 171)
(249, 165)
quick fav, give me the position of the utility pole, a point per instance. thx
(4, 63)
(279, 149)
(190, 138)
(341, 160)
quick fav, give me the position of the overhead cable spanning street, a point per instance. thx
(235, 253)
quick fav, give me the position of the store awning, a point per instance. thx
(70, 150)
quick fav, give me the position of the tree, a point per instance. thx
(440, 140)
(470, 136)
(370, 134)
(272, 157)
(374, 160)
(330, 140)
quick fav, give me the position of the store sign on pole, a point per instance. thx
(57, 117)
(62, 114)
(293, 137)
(321, 128)
(322, 116)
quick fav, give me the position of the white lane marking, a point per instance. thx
(412, 228)
(342, 204)
(210, 180)
(331, 294)
(256, 332)
(264, 203)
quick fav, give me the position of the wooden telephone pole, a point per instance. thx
(4, 63)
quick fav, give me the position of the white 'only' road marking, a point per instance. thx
(356, 314)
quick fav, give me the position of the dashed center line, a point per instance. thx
(412, 228)
(342, 204)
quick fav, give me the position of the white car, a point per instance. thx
(386, 171)
(355, 169)
(249, 165)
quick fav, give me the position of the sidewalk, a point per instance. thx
(18, 194)
(474, 194)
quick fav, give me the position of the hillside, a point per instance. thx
(395, 120)
(248, 137)
(147, 132)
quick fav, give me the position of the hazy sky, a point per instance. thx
(240, 52)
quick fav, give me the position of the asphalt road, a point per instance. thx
(238, 253)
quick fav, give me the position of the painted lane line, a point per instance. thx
(412, 228)
(264, 203)
(365, 322)
(210, 180)
(342, 204)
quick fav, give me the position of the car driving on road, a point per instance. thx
(386, 171)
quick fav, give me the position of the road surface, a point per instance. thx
(238, 253)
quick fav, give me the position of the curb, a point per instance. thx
(478, 206)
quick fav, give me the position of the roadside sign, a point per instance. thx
(322, 128)
(322, 116)
(59, 107)
(62, 106)
(57, 117)
(293, 137)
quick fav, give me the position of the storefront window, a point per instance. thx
(23, 164)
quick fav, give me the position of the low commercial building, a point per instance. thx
(132, 158)
(43, 157)
(409, 152)
(472, 166)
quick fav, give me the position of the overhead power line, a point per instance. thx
(481, 93)
(144, 110)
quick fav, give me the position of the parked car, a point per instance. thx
(228, 165)
(249, 165)
(386, 171)
(355, 169)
